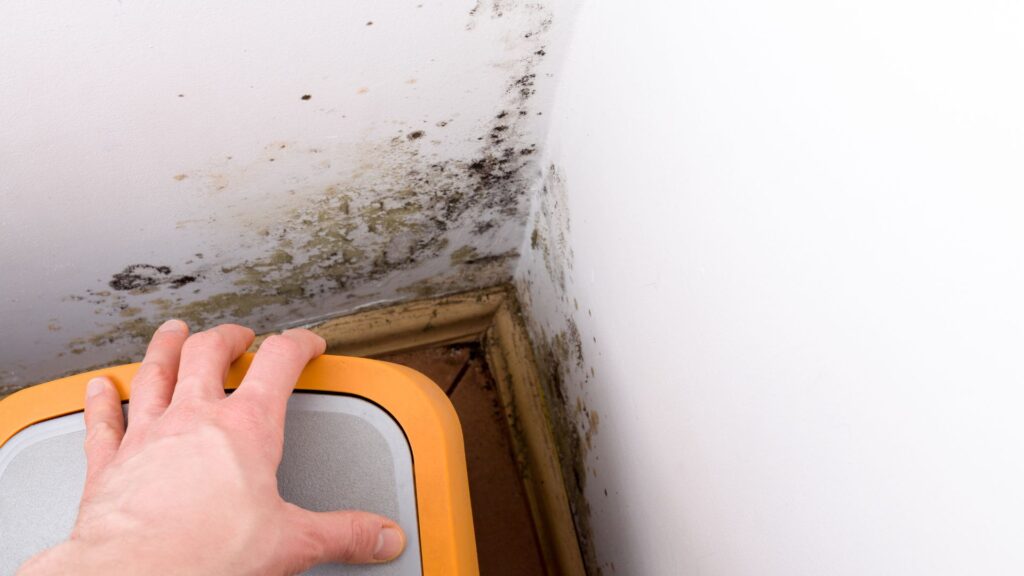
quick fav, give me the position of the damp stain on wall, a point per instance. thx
(412, 214)
(543, 285)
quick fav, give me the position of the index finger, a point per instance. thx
(275, 370)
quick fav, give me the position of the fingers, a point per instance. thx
(154, 382)
(275, 369)
(347, 537)
(205, 359)
(104, 425)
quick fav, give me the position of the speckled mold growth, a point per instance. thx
(543, 282)
(307, 229)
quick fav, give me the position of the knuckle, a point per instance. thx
(362, 539)
(101, 432)
(312, 546)
(184, 413)
(152, 373)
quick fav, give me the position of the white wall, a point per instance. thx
(794, 236)
(175, 136)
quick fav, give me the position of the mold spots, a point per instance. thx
(498, 7)
(463, 254)
(576, 426)
(381, 217)
(182, 280)
(468, 269)
(497, 131)
(525, 85)
(551, 228)
(137, 277)
(483, 227)
(558, 346)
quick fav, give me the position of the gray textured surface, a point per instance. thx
(340, 453)
(42, 471)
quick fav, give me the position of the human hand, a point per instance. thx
(190, 487)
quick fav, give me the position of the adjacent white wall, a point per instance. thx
(794, 236)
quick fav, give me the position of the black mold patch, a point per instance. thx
(143, 276)
(385, 220)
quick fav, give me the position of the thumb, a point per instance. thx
(348, 537)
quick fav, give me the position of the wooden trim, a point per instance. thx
(510, 356)
(489, 316)
(430, 322)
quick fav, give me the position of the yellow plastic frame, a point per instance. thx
(425, 414)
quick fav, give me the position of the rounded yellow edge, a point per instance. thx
(425, 414)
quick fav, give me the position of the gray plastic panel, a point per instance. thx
(340, 452)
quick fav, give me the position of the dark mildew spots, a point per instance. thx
(142, 276)
(395, 210)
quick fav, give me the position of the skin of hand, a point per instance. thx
(190, 487)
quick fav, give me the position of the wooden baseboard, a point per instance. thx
(491, 317)
(510, 357)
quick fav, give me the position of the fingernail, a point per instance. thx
(95, 387)
(173, 325)
(389, 544)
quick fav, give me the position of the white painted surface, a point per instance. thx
(175, 134)
(798, 227)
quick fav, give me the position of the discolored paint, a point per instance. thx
(542, 284)
(306, 229)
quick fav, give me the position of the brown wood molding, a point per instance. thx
(510, 356)
(409, 325)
